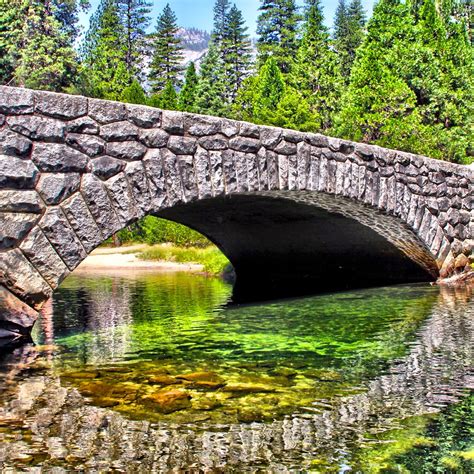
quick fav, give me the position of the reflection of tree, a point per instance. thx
(433, 375)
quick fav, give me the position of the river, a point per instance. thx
(152, 372)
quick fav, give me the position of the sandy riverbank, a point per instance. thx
(125, 258)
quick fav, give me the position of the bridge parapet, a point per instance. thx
(75, 170)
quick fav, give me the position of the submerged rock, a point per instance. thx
(163, 379)
(169, 401)
(241, 389)
(203, 380)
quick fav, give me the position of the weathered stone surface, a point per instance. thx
(105, 167)
(122, 199)
(106, 112)
(137, 180)
(182, 145)
(154, 137)
(38, 128)
(83, 125)
(40, 253)
(81, 220)
(188, 177)
(173, 183)
(119, 131)
(60, 105)
(249, 130)
(144, 116)
(56, 158)
(203, 173)
(13, 144)
(154, 167)
(285, 148)
(271, 137)
(100, 205)
(217, 142)
(229, 128)
(16, 317)
(20, 201)
(56, 187)
(64, 240)
(16, 173)
(172, 122)
(15, 226)
(246, 145)
(89, 144)
(22, 279)
(202, 126)
(16, 101)
(130, 150)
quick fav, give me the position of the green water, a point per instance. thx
(151, 372)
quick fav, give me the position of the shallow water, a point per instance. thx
(156, 372)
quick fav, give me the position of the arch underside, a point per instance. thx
(285, 244)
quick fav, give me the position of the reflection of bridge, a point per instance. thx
(293, 211)
(435, 373)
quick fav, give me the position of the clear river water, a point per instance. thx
(146, 372)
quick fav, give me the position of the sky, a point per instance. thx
(198, 13)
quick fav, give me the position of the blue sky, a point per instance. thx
(198, 13)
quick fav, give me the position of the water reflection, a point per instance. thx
(407, 352)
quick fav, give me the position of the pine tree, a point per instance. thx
(316, 73)
(134, 15)
(188, 93)
(105, 70)
(349, 32)
(211, 92)
(166, 56)
(45, 58)
(166, 99)
(277, 27)
(238, 58)
(134, 94)
(221, 20)
(67, 14)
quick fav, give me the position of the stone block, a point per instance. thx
(262, 169)
(216, 142)
(57, 158)
(62, 237)
(137, 180)
(56, 187)
(82, 221)
(230, 172)
(188, 177)
(20, 201)
(37, 248)
(38, 128)
(249, 130)
(60, 106)
(272, 166)
(83, 125)
(172, 178)
(22, 279)
(282, 171)
(244, 144)
(91, 145)
(130, 150)
(271, 137)
(154, 169)
(16, 101)
(154, 137)
(16, 173)
(14, 227)
(173, 122)
(104, 111)
(14, 144)
(144, 116)
(16, 317)
(317, 140)
(203, 173)
(229, 128)
(240, 163)
(285, 148)
(252, 172)
(105, 167)
(119, 132)
(217, 172)
(182, 145)
(202, 126)
(100, 205)
(122, 199)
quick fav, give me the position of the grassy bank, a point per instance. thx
(212, 259)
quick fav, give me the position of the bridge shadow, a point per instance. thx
(283, 248)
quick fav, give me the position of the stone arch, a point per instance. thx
(73, 171)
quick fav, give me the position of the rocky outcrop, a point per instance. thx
(74, 170)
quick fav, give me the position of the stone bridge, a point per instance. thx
(295, 212)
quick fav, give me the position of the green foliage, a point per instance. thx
(277, 30)
(152, 230)
(104, 52)
(213, 260)
(134, 94)
(349, 32)
(134, 16)
(316, 72)
(211, 91)
(167, 99)
(188, 93)
(166, 52)
(411, 87)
